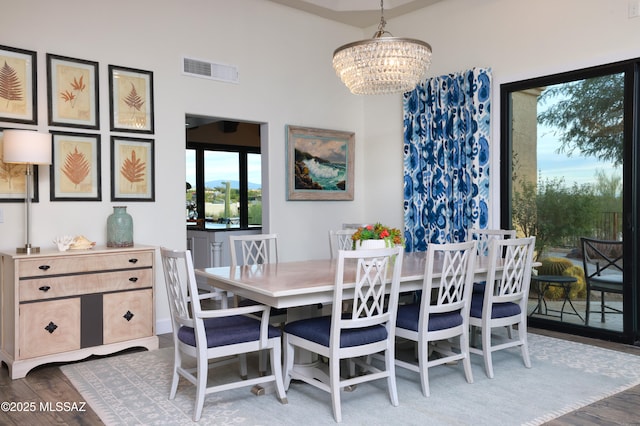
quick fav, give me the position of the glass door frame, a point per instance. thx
(630, 196)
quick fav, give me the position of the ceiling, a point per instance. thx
(359, 13)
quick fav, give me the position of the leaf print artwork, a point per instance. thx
(75, 166)
(14, 87)
(10, 84)
(76, 86)
(75, 100)
(133, 171)
(132, 111)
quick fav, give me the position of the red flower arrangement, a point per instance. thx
(392, 236)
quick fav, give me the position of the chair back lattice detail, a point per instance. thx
(453, 283)
(485, 236)
(513, 283)
(256, 249)
(177, 287)
(372, 284)
(340, 240)
(370, 288)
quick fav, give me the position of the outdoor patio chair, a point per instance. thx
(603, 272)
(214, 335)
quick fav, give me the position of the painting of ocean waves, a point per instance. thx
(330, 176)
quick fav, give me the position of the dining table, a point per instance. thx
(300, 286)
(311, 282)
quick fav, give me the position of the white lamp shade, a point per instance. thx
(26, 146)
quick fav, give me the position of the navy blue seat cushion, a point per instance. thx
(273, 312)
(500, 310)
(318, 329)
(408, 316)
(479, 287)
(227, 331)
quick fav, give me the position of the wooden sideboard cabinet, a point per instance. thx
(65, 306)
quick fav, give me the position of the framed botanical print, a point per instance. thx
(75, 169)
(131, 99)
(13, 182)
(132, 169)
(18, 85)
(72, 92)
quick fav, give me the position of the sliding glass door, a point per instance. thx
(569, 161)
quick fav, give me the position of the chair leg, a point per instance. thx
(423, 359)
(177, 361)
(390, 361)
(243, 366)
(334, 379)
(262, 362)
(522, 334)
(288, 362)
(277, 372)
(586, 314)
(201, 386)
(486, 351)
(466, 361)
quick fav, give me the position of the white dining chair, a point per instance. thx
(214, 335)
(340, 240)
(442, 314)
(504, 301)
(485, 236)
(256, 249)
(369, 327)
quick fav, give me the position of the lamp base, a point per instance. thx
(28, 249)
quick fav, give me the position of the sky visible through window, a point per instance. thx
(224, 168)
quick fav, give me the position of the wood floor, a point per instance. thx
(47, 384)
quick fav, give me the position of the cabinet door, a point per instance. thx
(49, 327)
(127, 315)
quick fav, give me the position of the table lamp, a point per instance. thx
(27, 147)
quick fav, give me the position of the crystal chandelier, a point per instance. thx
(383, 64)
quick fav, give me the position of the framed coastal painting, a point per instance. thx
(75, 167)
(131, 99)
(13, 180)
(72, 92)
(319, 164)
(132, 169)
(18, 94)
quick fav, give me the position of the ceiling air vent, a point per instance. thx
(210, 70)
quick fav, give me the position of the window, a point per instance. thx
(224, 186)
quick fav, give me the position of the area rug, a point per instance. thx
(133, 389)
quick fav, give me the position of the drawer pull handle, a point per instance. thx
(133, 279)
(128, 316)
(45, 288)
(133, 260)
(51, 327)
(44, 267)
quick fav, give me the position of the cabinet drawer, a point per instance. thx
(44, 266)
(127, 315)
(49, 327)
(74, 285)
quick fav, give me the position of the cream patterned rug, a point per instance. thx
(133, 389)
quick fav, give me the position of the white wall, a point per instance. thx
(518, 39)
(284, 58)
(284, 61)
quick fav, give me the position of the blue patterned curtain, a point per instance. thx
(446, 158)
